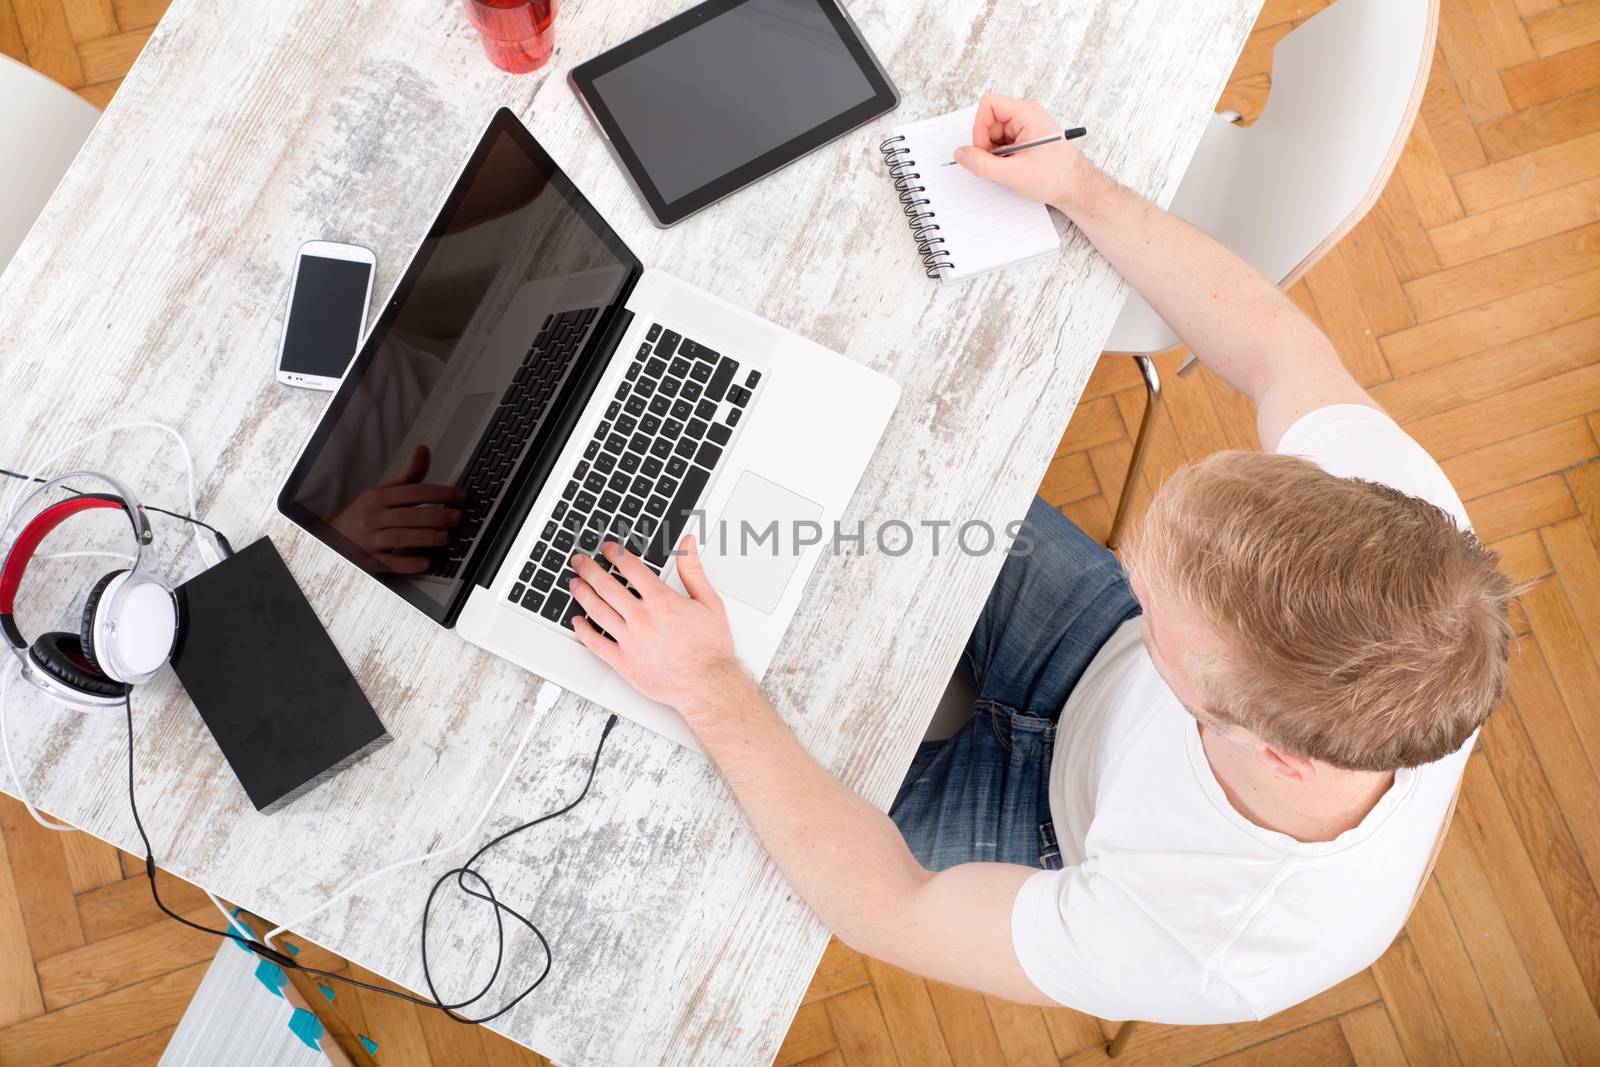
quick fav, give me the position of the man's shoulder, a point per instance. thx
(1363, 441)
(1269, 932)
(1244, 921)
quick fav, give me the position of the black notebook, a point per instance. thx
(268, 681)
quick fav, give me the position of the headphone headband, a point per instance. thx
(21, 551)
(27, 542)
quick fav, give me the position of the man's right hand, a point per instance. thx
(1232, 318)
(1051, 174)
(675, 649)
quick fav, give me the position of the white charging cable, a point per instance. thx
(208, 553)
(123, 557)
(233, 924)
(470, 836)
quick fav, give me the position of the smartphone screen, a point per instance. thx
(325, 319)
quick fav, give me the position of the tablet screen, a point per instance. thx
(727, 92)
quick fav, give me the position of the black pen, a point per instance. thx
(1011, 149)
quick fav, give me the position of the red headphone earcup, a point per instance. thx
(86, 626)
(60, 655)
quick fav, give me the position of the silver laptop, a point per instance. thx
(529, 391)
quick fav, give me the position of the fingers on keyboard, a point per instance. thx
(665, 431)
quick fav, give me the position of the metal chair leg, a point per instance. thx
(1118, 1040)
(1141, 444)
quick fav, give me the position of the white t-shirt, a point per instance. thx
(1173, 907)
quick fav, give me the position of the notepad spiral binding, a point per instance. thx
(905, 175)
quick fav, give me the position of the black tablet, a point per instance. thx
(728, 92)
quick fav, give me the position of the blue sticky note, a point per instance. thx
(367, 1043)
(307, 1027)
(293, 951)
(327, 990)
(271, 975)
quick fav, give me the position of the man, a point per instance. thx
(1199, 793)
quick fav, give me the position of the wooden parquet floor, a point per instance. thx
(1468, 302)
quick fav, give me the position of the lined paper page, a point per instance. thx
(985, 226)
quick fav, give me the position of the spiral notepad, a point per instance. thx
(963, 225)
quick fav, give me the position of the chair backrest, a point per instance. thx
(1346, 87)
(42, 126)
(1438, 846)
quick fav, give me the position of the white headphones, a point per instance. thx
(130, 623)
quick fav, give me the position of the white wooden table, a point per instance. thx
(154, 286)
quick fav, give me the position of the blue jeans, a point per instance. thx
(984, 794)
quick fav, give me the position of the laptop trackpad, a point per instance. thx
(750, 552)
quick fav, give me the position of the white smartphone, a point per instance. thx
(327, 316)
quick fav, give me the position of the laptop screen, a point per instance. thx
(464, 373)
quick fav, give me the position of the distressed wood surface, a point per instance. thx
(154, 286)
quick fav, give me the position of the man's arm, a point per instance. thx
(845, 858)
(1223, 309)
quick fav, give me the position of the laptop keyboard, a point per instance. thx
(643, 471)
(522, 409)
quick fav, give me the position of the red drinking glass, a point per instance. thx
(518, 35)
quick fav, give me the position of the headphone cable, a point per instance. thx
(188, 473)
(289, 963)
(222, 541)
(461, 873)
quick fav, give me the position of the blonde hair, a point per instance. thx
(1362, 627)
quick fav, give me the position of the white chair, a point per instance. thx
(42, 126)
(1346, 86)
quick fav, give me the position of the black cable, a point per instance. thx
(222, 541)
(465, 869)
(288, 962)
(460, 873)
